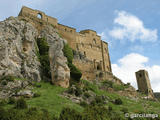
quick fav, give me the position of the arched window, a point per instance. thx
(39, 15)
(94, 41)
(90, 45)
(99, 67)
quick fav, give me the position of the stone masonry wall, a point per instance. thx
(143, 82)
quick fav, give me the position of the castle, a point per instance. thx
(91, 53)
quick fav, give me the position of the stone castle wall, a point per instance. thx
(143, 82)
(87, 42)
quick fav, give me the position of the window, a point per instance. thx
(39, 15)
(90, 45)
(140, 75)
(94, 41)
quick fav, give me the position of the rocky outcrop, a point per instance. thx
(14, 88)
(17, 50)
(60, 71)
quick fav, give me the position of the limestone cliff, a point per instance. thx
(18, 52)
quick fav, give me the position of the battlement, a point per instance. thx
(66, 28)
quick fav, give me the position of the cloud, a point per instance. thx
(127, 66)
(128, 26)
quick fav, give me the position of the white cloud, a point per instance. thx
(127, 66)
(128, 26)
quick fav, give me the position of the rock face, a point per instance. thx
(17, 50)
(60, 71)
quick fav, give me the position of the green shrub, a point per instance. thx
(83, 104)
(115, 116)
(117, 87)
(110, 108)
(70, 114)
(21, 104)
(32, 111)
(3, 102)
(108, 83)
(75, 72)
(36, 95)
(118, 101)
(95, 113)
(45, 114)
(87, 95)
(44, 56)
(3, 114)
(78, 91)
(11, 100)
(67, 50)
(43, 46)
(89, 86)
(98, 100)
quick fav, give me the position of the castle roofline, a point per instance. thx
(67, 26)
(87, 30)
(105, 42)
(32, 9)
(141, 70)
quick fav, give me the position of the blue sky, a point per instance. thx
(131, 27)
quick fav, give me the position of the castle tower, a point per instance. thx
(143, 82)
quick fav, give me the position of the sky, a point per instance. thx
(131, 27)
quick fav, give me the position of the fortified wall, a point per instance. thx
(91, 53)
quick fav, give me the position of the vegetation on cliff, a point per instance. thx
(44, 56)
(74, 71)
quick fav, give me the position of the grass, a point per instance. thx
(51, 100)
